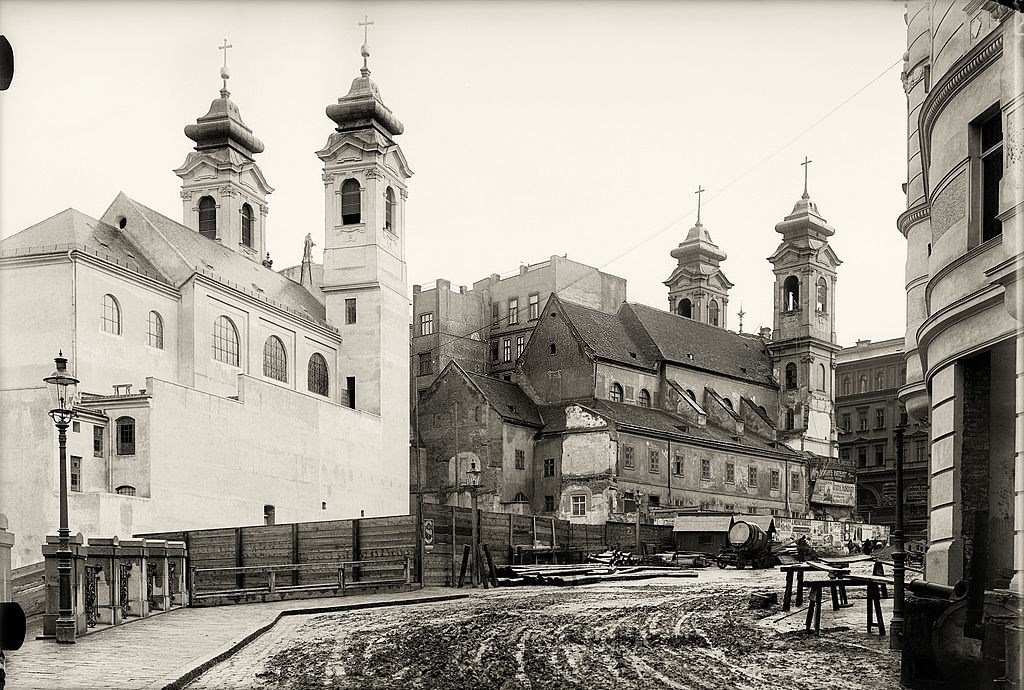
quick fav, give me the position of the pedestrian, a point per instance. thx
(866, 547)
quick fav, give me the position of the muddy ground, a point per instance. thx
(681, 633)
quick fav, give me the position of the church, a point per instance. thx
(611, 410)
(213, 390)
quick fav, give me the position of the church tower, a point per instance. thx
(223, 191)
(803, 345)
(364, 278)
(697, 288)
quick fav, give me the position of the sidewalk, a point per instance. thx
(161, 650)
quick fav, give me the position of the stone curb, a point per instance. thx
(179, 679)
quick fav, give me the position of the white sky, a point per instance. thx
(534, 128)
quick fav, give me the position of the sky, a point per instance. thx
(534, 129)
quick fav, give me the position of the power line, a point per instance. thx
(756, 166)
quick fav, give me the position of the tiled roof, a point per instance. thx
(71, 229)
(508, 399)
(192, 253)
(693, 344)
(609, 336)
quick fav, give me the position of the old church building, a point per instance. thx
(214, 391)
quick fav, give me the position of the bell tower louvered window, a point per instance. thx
(247, 225)
(208, 217)
(350, 202)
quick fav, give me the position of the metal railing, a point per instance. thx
(344, 575)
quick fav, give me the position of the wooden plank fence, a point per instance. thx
(382, 543)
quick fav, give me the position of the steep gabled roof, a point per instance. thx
(608, 336)
(71, 229)
(696, 345)
(506, 398)
(180, 252)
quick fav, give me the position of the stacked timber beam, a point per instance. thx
(585, 574)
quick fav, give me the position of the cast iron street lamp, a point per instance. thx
(899, 556)
(61, 387)
(474, 473)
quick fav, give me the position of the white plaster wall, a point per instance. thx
(35, 320)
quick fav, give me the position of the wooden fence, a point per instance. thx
(434, 540)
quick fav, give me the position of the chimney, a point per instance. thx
(463, 289)
(862, 343)
(416, 289)
(523, 268)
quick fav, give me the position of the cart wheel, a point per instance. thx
(741, 564)
(721, 563)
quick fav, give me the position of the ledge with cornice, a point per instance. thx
(913, 216)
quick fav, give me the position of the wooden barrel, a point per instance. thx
(747, 537)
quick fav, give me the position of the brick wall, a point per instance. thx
(976, 447)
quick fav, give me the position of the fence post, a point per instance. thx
(272, 580)
(341, 580)
(510, 542)
(239, 560)
(408, 570)
(355, 549)
(191, 584)
(295, 552)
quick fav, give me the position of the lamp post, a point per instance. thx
(474, 473)
(899, 556)
(62, 387)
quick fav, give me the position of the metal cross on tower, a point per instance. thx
(365, 51)
(700, 190)
(224, 71)
(806, 164)
(741, 314)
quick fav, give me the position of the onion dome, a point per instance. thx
(222, 127)
(698, 245)
(363, 107)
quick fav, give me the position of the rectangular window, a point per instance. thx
(494, 351)
(350, 310)
(97, 441)
(705, 468)
(520, 459)
(844, 454)
(752, 476)
(880, 418)
(845, 423)
(513, 311)
(426, 364)
(126, 436)
(549, 467)
(879, 454)
(654, 500)
(751, 510)
(655, 461)
(728, 507)
(76, 473)
(730, 473)
(549, 503)
(76, 427)
(427, 323)
(520, 345)
(534, 307)
(678, 465)
(506, 350)
(794, 482)
(495, 314)
(862, 420)
(579, 505)
(776, 480)
(988, 135)
(350, 385)
(862, 456)
(627, 457)
(919, 451)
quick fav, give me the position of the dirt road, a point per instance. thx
(647, 634)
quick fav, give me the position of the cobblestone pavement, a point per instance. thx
(662, 633)
(156, 651)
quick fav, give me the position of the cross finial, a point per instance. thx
(700, 190)
(224, 71)
(741, 313)
(365, 51)
(806, 164)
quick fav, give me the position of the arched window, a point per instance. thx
(275, 360)
(790, 420)
(317, 377)
(225, 341)
(111, 322)
(713, 313)
(155, 334)
(247, 225)
(791, 294)
(691, 395)
(125, 490)
(350, 202)
(863, 387)
(686, 308)
(389, 209)
(821, 377)
(822, 303)
(791, 376)
(125, 435)
(644, 398)
(208, 217)
(615, 393)
(520, 497)
(728, 402)
(866, 498)
(879, 381)
(846, 385)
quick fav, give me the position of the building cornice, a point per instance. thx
(913, 216)
(958, 76)
(957, 262)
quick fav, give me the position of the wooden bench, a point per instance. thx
(798, 569)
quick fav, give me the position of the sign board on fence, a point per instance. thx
(428, 532)
(834, 493)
